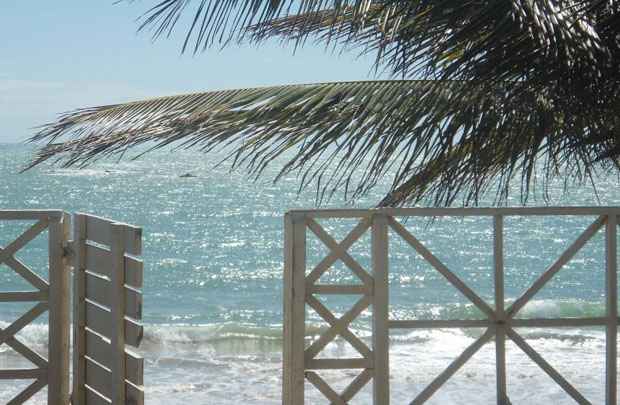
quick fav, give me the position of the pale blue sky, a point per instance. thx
(61, 55)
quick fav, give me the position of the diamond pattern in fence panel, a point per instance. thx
(339, 327)
(500, 323)
(40, 295)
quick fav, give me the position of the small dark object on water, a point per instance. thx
(187, 175)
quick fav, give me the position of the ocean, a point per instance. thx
(213, 282)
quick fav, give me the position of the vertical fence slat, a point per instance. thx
(287, 297)
(117, 290)
(294, 309)
(299, 311)
(380, 307)
(500, 334)
(299, 308)
(58, 368)
(79, 309)
(612, 309)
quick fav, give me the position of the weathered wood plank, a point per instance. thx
(438, 323)
(117, 312)
(324, 388)
(24, 215)
(339, 251)
(288, 359)
(99, 230)
(23, 296)
(29, 354)
(356, 385)
(100, 379)
(94, 398)
(338, 364)
(546, 367)
(100, 350)
(564, 258)
(335, 254)
(22, 321)
(299, 309)
(611, 295)
(335, 289)
(441, 268)
(23, 239)
(458, 212)
(78, 395)
(294, 309)
(500, 334)
(23, 374)
(20, 268)
(59, 313)
(98, 260)
(26, 394)
(452, 368)
(98, 289)
(338, 327)
(557, 323)
(380, 310)
(99, 320)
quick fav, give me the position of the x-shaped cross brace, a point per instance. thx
(500, 321)
(7, 335)
(340, 399)
(7, 255)
(339, 326)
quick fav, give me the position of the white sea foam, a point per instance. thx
(235, 363)
(248, 373)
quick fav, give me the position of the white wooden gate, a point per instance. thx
(301, 361)
(107, 309)
(107, 312)
(49, 295)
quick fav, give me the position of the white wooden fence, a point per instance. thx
(107, 309)
(49, 295)
(301, 361)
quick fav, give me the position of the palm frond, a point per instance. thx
(437, 140)
(492, 40)
(499, 39)
(218, 21)
(569, 51)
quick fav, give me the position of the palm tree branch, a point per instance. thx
(416, 38)
(349, 135)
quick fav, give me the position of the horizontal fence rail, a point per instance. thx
(49, 295)
(301, 361)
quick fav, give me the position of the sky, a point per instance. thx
(61, 55)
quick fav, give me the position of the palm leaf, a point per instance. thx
(464, 39)
(218, 21)
(432, 138)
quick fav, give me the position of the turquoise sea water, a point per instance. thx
(213, 281)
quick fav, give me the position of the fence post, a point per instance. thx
(79, 309)
(294, 308)
(500, 335)
(117, 289)
(380, 304)
(58, 357)
(611, 277)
